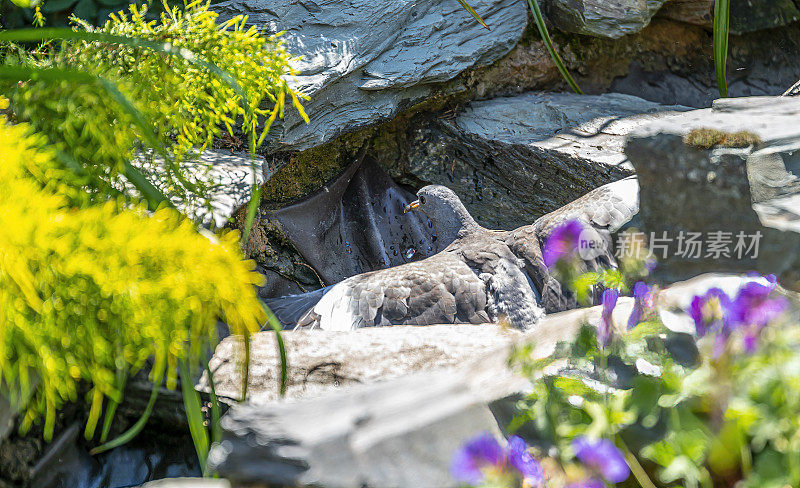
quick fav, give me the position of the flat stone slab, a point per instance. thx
(364, 60)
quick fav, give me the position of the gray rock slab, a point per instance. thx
(685, 189)
(602, 18)
(364, 60)
(513, 159)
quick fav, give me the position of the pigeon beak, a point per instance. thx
(411, 206)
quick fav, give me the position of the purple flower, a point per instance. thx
(753, 309)
(521, 459)
(709, 311)
(605, 329)
(476, 455)
(563, 243)
(753, 305)
(643, 305)
(483, 454)
(602, 457)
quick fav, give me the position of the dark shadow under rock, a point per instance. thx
(352, 225)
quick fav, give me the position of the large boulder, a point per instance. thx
(701, 173)
(602, 18)
(749, 16)
(366, 59)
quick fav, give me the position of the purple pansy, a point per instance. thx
(709, 311)
(643, 305)
(562, 243)
(521, 459)
(751, 311)
(601, 456)
(483, 454)
(753, 305)
(476, 455)
(605, 329)
(754, 308)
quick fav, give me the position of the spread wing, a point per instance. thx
(608, 207)
(441, 289)
(602, 211)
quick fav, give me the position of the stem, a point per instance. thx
(638, 471)
(537, 15)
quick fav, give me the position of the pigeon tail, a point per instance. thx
(514, 297)
(291, 308)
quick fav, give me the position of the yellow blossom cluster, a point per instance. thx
(88, 295)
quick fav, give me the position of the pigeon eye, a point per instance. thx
(422, 200)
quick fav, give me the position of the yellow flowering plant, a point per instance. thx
(87, 296)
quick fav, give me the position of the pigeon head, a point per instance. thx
(444, 209)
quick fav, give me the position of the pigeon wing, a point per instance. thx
(602, 211)
(438, 290)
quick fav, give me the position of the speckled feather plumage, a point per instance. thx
(483, 275)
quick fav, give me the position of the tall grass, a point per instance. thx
(721, 26)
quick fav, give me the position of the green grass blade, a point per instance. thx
(721, 27)
(276, 326)
(537, 15)
(472, 11)
(216, 429)
(133, 431)
(153, 196)
(194, 413)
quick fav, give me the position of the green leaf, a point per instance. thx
(473, 12)
(276, 326)
(194, 413)
(37, 35)
(133, 431)
(721, 25)
(16, 73)
(537, 15)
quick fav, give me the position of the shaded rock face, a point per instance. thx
(749, 16)
(711, 191)
(513, 159)
(366, 59)
(602, 18)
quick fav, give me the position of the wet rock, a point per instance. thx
(513, 159)
(698, 12)
(750, 16)
(365, 60)
(701, 172)
(757, 15)
(602, 18)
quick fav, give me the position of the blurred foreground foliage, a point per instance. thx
(100, 275)
(88, 293)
